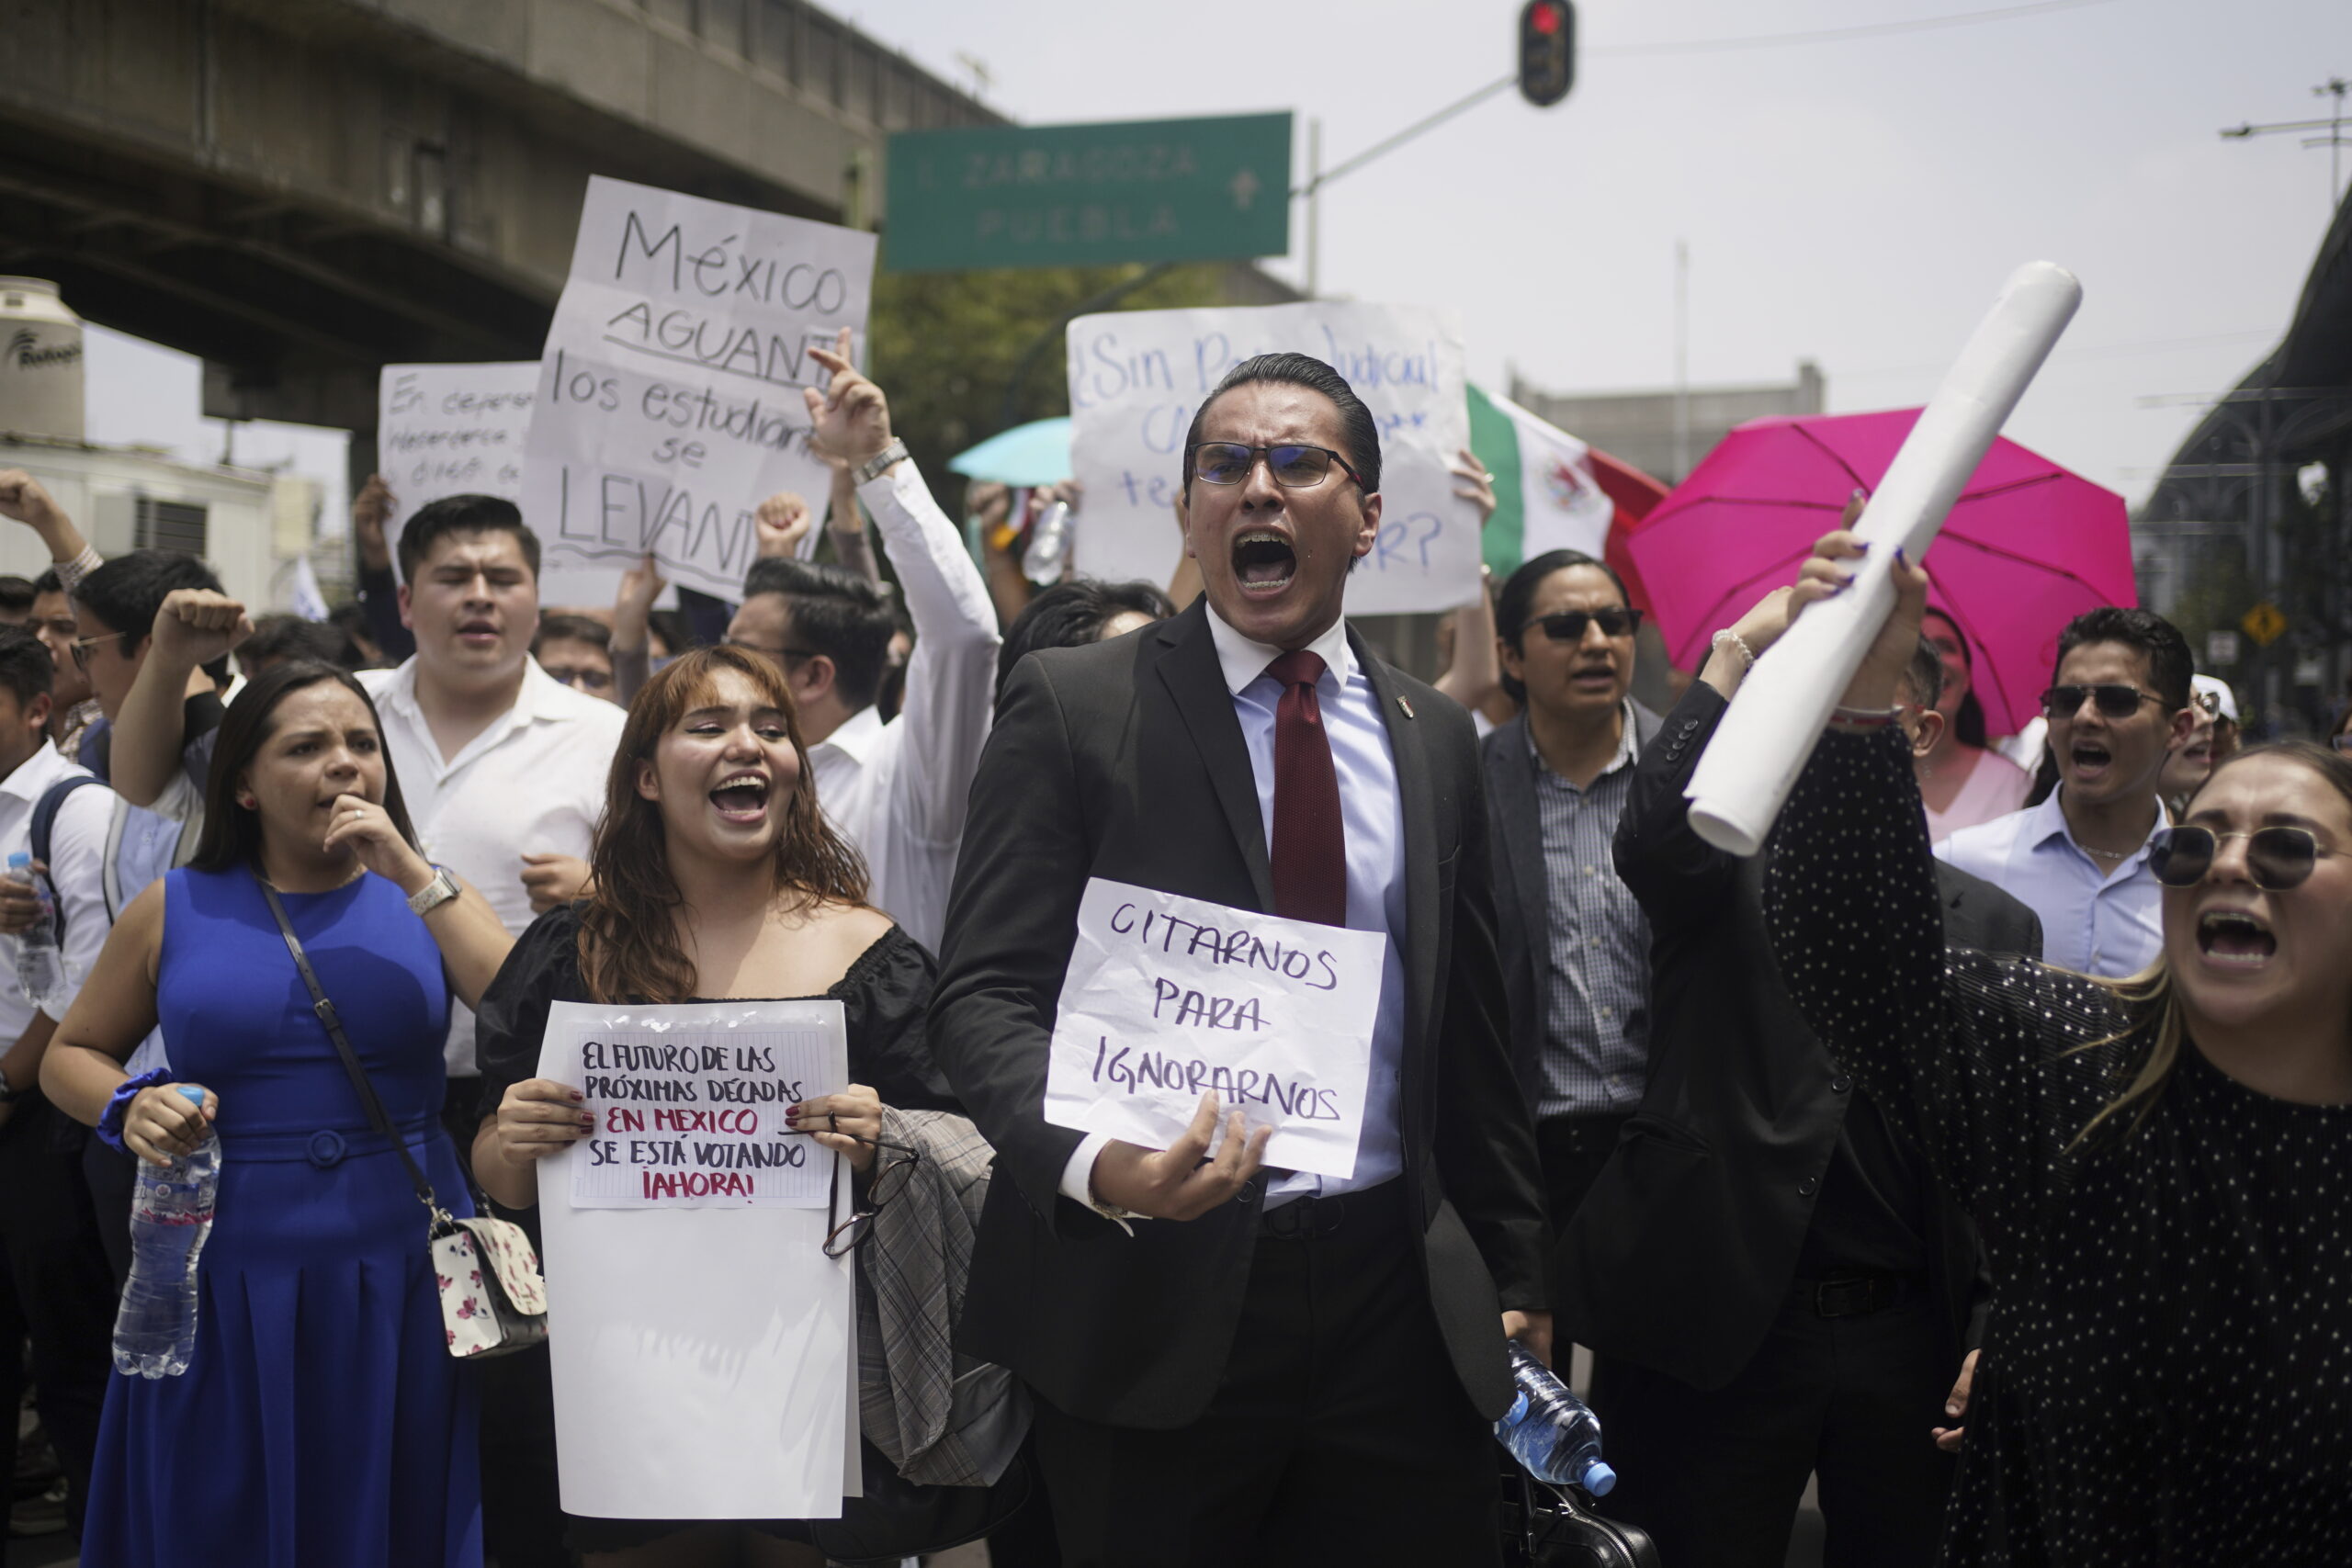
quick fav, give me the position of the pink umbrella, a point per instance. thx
(2028, 545)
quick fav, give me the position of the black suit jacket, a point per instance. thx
(1124, 761)
(1684, 1250)
(1522, 887)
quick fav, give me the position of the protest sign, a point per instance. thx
(1166, 995)
(669, 394)
(1136, 377)
(704, 1356)
(694, 1122)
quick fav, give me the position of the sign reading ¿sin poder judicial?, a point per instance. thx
(669, 394)
(696, 1119)
(1167, 997)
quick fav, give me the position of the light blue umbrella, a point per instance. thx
(1033, 454)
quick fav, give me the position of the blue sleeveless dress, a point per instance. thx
(322, 1420)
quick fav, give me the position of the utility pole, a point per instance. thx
(2336, 87)
(1314, 207)
(1681, 360)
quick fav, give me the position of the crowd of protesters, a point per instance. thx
(1980, 1151)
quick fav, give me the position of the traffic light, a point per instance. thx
(1548, 50)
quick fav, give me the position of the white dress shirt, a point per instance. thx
(1373, 817)
(2095, 921)
(77, 847)
(898, 791)
(531, 784)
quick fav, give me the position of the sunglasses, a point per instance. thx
(1568, 625)
(1294, 467)
(889, 1179)
(2117, 702)
(2278, 857)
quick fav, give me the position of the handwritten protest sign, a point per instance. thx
(1166, 996)
(1136, 377)
(443, 430)
(669, 394)
(705, 1354)
(700, 1121)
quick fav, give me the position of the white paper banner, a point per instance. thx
(704, 1356)
(1136, 377)
(686, 1121)
(443, 430)
(1166, 996)
(669, 396)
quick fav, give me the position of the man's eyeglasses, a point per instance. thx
(2278, 857)
(894, 1166)
(82, 645)
(2116, 702)
(580, 677)
(1617, 620)
(1294, 467)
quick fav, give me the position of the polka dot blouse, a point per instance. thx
(2167, 1377)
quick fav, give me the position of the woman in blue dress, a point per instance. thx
(322, 1420)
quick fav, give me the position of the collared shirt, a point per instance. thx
(1373, 819)
(1596, 978)
(533, 782)
(77, 844)
(898, 791)
(2095, 920)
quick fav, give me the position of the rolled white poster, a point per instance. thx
(1762, 744)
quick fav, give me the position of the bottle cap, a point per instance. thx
(21, 860)
(1598, 1479)
(194, 1094)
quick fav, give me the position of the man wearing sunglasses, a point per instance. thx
(2118, 705)
(1235, 1364)
(1575, 950)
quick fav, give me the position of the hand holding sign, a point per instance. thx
(1182, 1182)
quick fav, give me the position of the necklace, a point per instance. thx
(2107, 854)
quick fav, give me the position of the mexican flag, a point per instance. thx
(1545, 495)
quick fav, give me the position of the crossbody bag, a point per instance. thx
(492, 1301)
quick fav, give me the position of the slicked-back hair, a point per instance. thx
(437, 520)
(126, 593)
(2170, 664)
(22, 675)
(572, 629)
(1359, 431)
(1517, 595)
(1924, 676)
(1073, 614)
(836, 613)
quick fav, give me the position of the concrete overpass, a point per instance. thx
(299, 191)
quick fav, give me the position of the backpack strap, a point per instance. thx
(45, 810)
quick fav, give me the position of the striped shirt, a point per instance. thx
(1596, 983)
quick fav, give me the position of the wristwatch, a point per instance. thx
(435, 893)
(872, 469)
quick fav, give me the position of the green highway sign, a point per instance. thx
(1088, 195)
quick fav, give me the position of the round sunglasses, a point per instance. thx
(2278, 857)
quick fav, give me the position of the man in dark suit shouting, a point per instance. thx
(1235, 1364)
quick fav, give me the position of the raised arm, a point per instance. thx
(1476, 672)
(845, 525)
(193, 626)
(25, 499)
(472, 939)
(950, 677)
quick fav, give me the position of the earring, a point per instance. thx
(247, 801)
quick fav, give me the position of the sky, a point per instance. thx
(1854, 201)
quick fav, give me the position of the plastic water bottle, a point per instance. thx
(41, 971)
(171, 1213)
(1048, 547)
(1550, 1431)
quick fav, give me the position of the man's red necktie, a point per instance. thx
(1310, 845)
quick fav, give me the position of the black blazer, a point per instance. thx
(1684, 1248)
(1124, 760)
(1521, 887)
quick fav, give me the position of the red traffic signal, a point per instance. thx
(1548, 50)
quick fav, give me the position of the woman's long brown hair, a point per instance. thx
(628, 937)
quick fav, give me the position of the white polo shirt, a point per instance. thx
(531, 784)
(77, 848)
